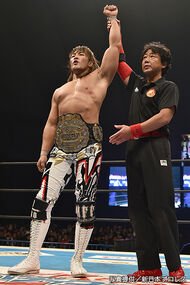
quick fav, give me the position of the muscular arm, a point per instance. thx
(48, 134)
(157, 121)
(50, 128)
(124, 70)
(110, 59)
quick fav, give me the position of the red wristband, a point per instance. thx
(136, 130)
(124, 70)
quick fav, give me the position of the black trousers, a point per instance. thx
(151, 202)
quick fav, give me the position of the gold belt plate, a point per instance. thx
(72, 133)
(97, 132)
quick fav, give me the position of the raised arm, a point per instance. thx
(110, 59)
(48, 134)
(124, 70)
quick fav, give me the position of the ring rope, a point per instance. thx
(74, 219)
(71, 190)
(103, 162)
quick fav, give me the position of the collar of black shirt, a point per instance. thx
(148, 85)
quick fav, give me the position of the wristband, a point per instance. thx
(136, 130)
(111, 18)
(43, 152)
(124, 70)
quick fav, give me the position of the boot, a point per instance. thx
(140, 274)
(82, 237)
(31, 263)
(178, 275)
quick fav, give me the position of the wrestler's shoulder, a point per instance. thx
(61, 89)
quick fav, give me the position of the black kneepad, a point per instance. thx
(39, 209)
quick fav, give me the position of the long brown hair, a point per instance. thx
(91, 57)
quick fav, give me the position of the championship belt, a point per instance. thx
(72, 133)
(97, 132)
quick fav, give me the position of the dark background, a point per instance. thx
(35, 39)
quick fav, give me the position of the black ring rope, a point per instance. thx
(112, 220)
(71, 190)
(103, 162)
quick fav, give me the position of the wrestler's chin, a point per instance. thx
(76, 69)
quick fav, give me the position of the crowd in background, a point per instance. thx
(62, 236)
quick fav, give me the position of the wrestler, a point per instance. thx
(73, 130)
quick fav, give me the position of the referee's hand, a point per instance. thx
(122, 135)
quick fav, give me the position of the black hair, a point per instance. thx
(162, 50)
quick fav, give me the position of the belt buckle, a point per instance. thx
(72, 133)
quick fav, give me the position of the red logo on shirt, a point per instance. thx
(151, 92)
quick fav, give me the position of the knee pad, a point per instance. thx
(85, 211)
(39, 209)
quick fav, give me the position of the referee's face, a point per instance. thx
(151, 63)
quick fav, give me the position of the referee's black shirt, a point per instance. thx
(147, 99)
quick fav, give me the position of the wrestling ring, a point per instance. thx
(104, 266)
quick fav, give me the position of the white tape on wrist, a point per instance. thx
(111, 18)
(43, 152)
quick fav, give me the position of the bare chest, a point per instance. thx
(79, 96)
(82, 87)
(79, 91)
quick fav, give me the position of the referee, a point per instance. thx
(148, 160)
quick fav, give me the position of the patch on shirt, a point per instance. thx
(151, 92)
(136, 89)
(163, 163)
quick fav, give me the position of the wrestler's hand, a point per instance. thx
(42, 163)
(122, 135)
(110, 11)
